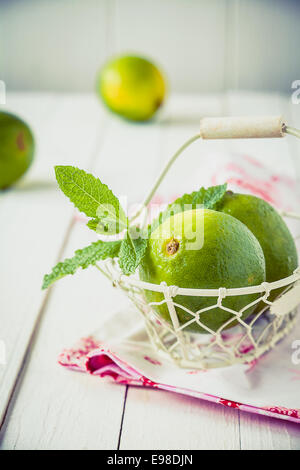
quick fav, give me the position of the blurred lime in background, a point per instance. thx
(16, 148)
(132, 87)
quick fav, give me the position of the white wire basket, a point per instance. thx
(238, 340)
(243, 343)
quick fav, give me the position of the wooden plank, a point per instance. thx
(55, 408)
(78, 305)
(156, 419)
(129, 158)
(193, 56)
(180, 122)
(264, 433)
(36, 218)
(258, 432)
(260, 63)
(160, 420)
(53, 56)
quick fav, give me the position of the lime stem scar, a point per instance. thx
(172, 246)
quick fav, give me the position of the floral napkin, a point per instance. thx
(269, 386)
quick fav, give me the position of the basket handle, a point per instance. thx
(243, 127)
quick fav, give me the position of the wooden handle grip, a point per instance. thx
(244, 127)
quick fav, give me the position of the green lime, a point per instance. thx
(270, 230)
(203, 249)
(16, 148)
(132, 87)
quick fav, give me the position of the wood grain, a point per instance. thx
(160, 420)
(65, 402)
(37, 220)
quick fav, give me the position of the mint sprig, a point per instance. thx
(98, 202)
(83, 258)
(93, 198)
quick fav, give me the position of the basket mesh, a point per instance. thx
(242, 343)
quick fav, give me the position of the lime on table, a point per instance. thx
(230, 256)
(16, 148)
(132, 87)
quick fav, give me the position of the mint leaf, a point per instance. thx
(213, 195)
(131, 253)
(82, 259)
(92, 197)
(209, 198)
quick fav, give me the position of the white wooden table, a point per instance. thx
(43, 406)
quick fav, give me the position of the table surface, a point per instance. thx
(44, 406)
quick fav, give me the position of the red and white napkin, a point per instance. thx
(269, 386)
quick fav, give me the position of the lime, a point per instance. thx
(203, 249)
(270, 230)
(16, 148)
(132, 87)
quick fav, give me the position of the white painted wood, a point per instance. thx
(203, 46)
(259, 432)
(129, 157)
(186, 38)
(36, 219)
(263, 433)
(182, 121)
(263, 50)
(160, 420)
(55, 408)
(78, 305)
(231, 62)
(53, 45)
